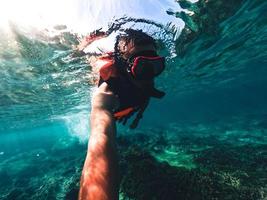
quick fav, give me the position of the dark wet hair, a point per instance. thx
(138, 37)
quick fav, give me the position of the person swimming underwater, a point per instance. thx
(126, 83)
(129, 71)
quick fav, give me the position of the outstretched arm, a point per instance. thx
(100, 172)
(96, 35)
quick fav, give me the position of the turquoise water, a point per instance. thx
(207, 139)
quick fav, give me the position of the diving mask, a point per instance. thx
(145, 65)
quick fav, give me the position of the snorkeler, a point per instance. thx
(129, 71)
(125, 87)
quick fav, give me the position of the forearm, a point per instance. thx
(99, 177)
(102, 121)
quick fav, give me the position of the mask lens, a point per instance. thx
(144, 68)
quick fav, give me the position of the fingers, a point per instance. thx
(103, 98)
(104, 88)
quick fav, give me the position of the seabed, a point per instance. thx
(189, 162)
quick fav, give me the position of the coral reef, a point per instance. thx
(224, 170)
(43, 174)
(181, 162)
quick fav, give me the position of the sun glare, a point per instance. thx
(82, 16)
(37, 13)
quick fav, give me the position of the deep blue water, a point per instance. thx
(207, 139)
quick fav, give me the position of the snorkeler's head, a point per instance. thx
(136, 56)
(133, 41)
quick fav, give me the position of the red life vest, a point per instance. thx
(107, 70)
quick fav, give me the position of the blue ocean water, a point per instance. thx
(205, 140)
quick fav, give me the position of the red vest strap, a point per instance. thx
(122, 113)
(106, 68)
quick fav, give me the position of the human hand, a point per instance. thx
(104, 99)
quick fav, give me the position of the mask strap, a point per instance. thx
(142, 53)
